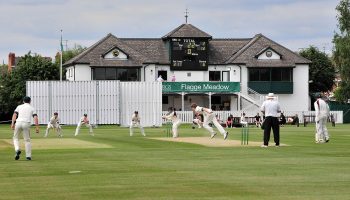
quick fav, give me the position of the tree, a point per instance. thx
(29, 68)
(341, 53)
(321, 71)
(69, 54)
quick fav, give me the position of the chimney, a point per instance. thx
(11, 62)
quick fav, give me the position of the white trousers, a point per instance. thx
(136, 124)
(57, 127)
(211, 118)
(23, 127)
(321, 130)
(77, 130)
(176, 124)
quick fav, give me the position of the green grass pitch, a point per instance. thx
(113, 165)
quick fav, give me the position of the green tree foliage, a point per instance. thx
(69, 54)
(321, 70)
(341, 51)
(29, 68)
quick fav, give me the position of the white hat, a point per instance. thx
(270, 96)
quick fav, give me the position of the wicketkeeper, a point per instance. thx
(54, 123)
(135, 122)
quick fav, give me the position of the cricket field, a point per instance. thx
(113, 165)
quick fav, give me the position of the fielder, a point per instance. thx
(135, 122)
(54, 124)
(84, 120)
(24, 113)
(209, 116)
(176, 121)
(322, 112)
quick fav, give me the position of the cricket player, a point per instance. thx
(175, 120)
(24, 113)
(197, 120)
(243, 120)
(135, 122)
(322, 112)
(84, 120)
(209, 116)
(54, 124)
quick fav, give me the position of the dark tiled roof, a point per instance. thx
(221, 51)
(154, 49)
(93, 55)
(187, 31)
(247, 55)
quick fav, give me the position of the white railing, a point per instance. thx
(254, 100)
(187, 116)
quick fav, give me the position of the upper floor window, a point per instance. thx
(219, 76)
(271, 74)
(122, 74)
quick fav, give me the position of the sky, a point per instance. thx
(35, 25)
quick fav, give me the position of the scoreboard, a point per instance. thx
(189, 54)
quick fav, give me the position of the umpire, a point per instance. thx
(271, 108)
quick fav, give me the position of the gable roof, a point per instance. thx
(94, 54)
(247, 55)
(143, 51)
(264, 50)
(187, 31)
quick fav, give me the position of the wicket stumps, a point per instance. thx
(245, 135)
(168, 127)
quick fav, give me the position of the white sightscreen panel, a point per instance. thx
(39, 93)
(99, 99)
(144, 97)
(73, 99)
(108, 102)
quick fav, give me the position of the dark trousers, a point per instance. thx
(272, 122)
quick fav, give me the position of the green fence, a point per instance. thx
(341, 106)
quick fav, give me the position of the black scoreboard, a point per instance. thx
(189, 54)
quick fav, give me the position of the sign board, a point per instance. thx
(200, 87)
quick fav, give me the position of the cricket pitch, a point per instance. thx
(215, 142)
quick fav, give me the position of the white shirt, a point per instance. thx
(243, 121)
(54, 120)
(199, 110)
(321, 108)
(271, 108)
(25, 112)
(135, 119)
(172, 117)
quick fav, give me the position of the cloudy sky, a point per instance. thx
(34, 25)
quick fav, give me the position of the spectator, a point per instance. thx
(283, 120)
(229, 121)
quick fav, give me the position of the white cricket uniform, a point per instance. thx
(176, 123)
(210, 117)
(82, 122)
(135, 122)
(23, 123)
(198, 122)
(243, 121)
(322, 112)
(54, 123)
